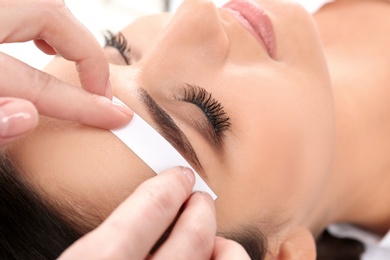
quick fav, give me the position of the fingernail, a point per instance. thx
(206, 196)
(15, 120)
(122, 108)
(190, 174)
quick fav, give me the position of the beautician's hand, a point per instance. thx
(24, 90)
(136, 225)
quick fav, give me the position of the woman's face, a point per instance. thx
(267, 166)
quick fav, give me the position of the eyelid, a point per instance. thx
(216, 119)
(119, 42)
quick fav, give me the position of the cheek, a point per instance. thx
(279, 151)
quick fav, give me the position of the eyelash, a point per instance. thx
(196, 95)
(119, 42)
(211, 108)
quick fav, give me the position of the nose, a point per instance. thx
(195, 33)
(197, 26)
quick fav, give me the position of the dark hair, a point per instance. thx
(29, 227)
(32, 228)
(332, 248)
(252, 239)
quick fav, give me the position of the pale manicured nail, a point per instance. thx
(190, 174)
(15, 121)
(122, 108)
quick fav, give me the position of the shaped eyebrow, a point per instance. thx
(167, 127)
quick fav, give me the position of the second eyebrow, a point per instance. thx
(170, 130)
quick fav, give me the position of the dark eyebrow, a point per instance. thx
(169, 130)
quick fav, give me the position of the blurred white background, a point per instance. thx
(97, 16)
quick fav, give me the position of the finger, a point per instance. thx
(43, 46)
(17, 118)
(52, 22)
(228, 250)
(59, 99)
(74, 42)
(193, 235)
(134, 227)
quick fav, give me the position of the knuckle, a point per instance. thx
(52, 12)
(50, 8)
(41, 81)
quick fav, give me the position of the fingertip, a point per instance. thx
(189, 174)
(219, 239)
(121, 107)
(184, 171)
(94, 74)
(228, 249)
(100, 112)
(202, 197)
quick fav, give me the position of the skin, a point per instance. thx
(58, 32)
(296, 131)
(25, 91)
(133, 232)
(359, 77)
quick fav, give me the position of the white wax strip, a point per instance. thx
(155, 150)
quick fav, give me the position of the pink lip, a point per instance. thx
(254, 19)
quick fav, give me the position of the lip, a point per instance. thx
(256, 21)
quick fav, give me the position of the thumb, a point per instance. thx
(228, 249)
(17, 118)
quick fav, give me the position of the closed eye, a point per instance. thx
(119, 42)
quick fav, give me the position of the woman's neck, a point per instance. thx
(355, 36)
